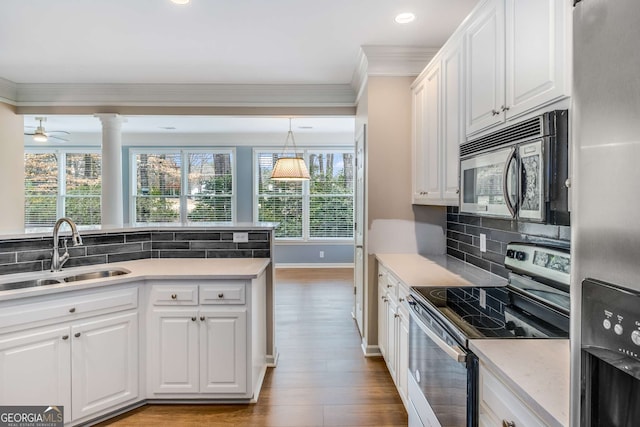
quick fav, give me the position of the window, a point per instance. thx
(182, 186)
(321, 209)
(62, 183)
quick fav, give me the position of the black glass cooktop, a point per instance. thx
(491, 312)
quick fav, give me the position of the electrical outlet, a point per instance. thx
(483, 242)
(321, 254)
(483, 298)
(240, 237)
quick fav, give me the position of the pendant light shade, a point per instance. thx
(292, 168)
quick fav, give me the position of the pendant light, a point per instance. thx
(290, 168)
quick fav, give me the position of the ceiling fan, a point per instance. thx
(40, 135)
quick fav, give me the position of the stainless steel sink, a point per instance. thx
(94, 275)
(29, 284)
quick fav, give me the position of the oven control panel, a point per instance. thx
(610, 318)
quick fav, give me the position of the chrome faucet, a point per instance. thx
(58, 261)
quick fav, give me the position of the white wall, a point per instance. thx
(11, 171)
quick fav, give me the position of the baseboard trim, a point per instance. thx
(272, 361)
(256, 391)
(314, 265)
(370, 350)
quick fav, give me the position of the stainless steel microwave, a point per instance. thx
(519, 172)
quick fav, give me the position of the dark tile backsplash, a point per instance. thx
(463, 238)
(34, 254)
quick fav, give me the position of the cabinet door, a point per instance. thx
(484, 44)
(537, 54)
(35, 368)
(223, 351)
(452, 121)
(173, 351)
(104, 364)
(403, 354)
(419, 145)
(433, 131)
(392, 347)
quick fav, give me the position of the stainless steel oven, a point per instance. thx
(442, 375)
(443, 371)
(519, 172)
(610, 365)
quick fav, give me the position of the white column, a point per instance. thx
(112, 195)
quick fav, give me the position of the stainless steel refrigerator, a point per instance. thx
(605, 215)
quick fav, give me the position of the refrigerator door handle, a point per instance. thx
(505, 178)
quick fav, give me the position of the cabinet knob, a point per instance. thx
(72, 310)
(193, 319)
(77, 334)
(396, 315)
(202, 318)
(380, 274)
(567, 183)
(400, 299)
(458, 191)
(221, 295)
(504, 108)
(506, 423)
(495, 112)
(65, 337)
(174, 296)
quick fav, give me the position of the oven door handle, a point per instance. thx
(452, 351)
(505, 180)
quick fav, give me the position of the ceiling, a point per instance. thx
(198, 124)
(209, 41)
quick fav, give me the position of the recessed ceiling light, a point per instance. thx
(180, 1)
(405, 18)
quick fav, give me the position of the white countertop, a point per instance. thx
(164, 268)
(537, 370)
(439, 270)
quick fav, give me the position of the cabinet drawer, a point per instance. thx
(392, 286)
(69, 307)
(499, 402)
(223, 293)
(174, 295)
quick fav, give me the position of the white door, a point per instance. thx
(223, 351)
(536, 53)
(359, 227)
(104, 363)
(35, 368)
(452, 122)
(173, 351)
(484, 40)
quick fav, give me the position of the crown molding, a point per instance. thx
(184, 95)
(8, 91)
(389, 61)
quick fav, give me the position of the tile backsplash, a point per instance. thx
(32, 254)
(463, 238)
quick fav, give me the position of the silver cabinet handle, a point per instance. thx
(504, 108)
(400, 299)
(65, 337)
(506, 423)
(202, 318)
(193, 319)
(396, 315)
(458, 191)
(567, 183)
(389, 286)
(495, 112)
(77, 334)
(72, 310)
(174, 296)
(220, 295)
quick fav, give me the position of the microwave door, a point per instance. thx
(482, 181)
(532, 185)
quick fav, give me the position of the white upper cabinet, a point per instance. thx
(438, 128)
(517, 60)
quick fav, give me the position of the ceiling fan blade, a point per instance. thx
(58, 131)
(29, 134)
(58, 138)
(30, 127)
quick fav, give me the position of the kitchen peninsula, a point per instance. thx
(166, 327)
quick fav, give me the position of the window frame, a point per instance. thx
(61, 193)
(184, 181)
(306, 194)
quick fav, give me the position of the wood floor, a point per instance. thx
(322, 378)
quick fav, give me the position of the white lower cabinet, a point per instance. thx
(104, 363)
(500, 406)
(198, 351)
(204, 344)
(86, 363)
(393, 329)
